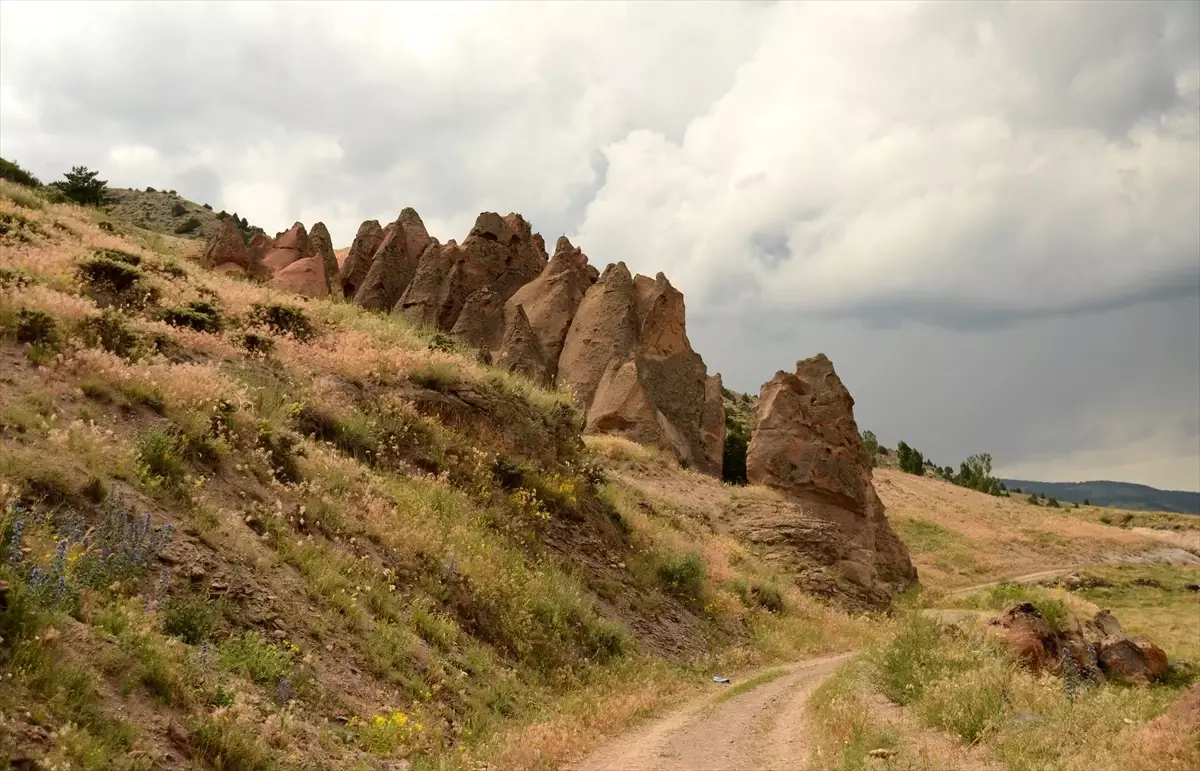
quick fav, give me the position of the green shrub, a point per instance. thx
(283, 320)
(436, 375)
(140, 393)
(109, 331)
(252, 657)
(192, 617)
(23, 197)
(200, 315)
(258, 344)
(178, 210)
(36, 327)
(119, 255)
(283, 450)
(114, 280)
(911, 661)
(683, 574)
(12, 171)
(20, 226)
(160, 458)
(190, 225)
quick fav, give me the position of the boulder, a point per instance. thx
(520, 351)
(806, 445)
(358, 261)
(712, 427)
(1156, 658)
(1121, 656)
(1108, 624)
(552, 299)
(322, 247)
(394, 263)
(499, 253)
(288, 247)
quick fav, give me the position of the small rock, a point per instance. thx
(881, 753)
(1192, 587)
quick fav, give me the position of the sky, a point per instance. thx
(986, 214)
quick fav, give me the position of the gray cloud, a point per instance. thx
(986, 213)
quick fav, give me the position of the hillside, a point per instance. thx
(1121, 495)
(247, 529)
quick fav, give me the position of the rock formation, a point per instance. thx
(521, 351)
(358, 261)
(481, 322)
(551, 300)
(1097, 648)
(807, 446)
(226, 247)
(499, 253)
(322, 246)
(712, 426)
(288, 247)
(395, 262)
(305, 276)
(627, 359)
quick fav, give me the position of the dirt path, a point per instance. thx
(759, 730)
(1025, 579)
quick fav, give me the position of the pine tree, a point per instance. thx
(83, 187)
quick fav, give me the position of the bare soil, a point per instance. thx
(763, 728)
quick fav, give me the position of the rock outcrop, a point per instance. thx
(395, 263)
(499, 253)
(322, 247)
(552, 299)
(806, 445)
(1095, 649)
(225, 247)
(305, 276)
(358, 261)
(481, 322)
(521, 351)
(288, 247)
(627, 360)
(712, 426)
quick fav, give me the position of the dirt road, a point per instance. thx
(762, 729)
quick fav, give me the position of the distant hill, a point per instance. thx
(165, 211)
(1124, 495)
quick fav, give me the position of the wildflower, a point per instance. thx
(379, 720)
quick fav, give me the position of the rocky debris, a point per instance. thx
(394, 264)
(499, 253)
(289, 246)
(806, 445)
(520, 351)
(627, 360)
(552, 299)
(1076, 581)
(712, 426)
(1096, 647)
(322, 246)
(358, 261)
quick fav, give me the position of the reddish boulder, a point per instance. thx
(806, 445)
(1156, 659)
(1029, 639)
(358, 261)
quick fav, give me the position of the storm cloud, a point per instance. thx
(987, 214)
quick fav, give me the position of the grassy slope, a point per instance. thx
(944, 700)
(379, 549)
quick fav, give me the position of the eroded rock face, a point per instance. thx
(225, 246)
(304, 276)
(520, 351)
(288, 247)
(806, 445)
(712, 427)
(322, 247)
(358, 261)
(552, 299)
(628, 361)
(394, 264)
(481, 322)
(498, 253)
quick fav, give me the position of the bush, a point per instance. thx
(282, 452)
(208, 207)
(683, 574)
(192, 617)
(733, 460)
(178, 210)
(911, 461)
(252, 657)
(36, 327)
(911, 661)
(108, 331)
(160, 455)
(119, 255)
(115, 280)
(283, 320)
(191, 224)
(83, 187)
(11, 171)
(201, 315)
(870, 447)
(258, 344)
